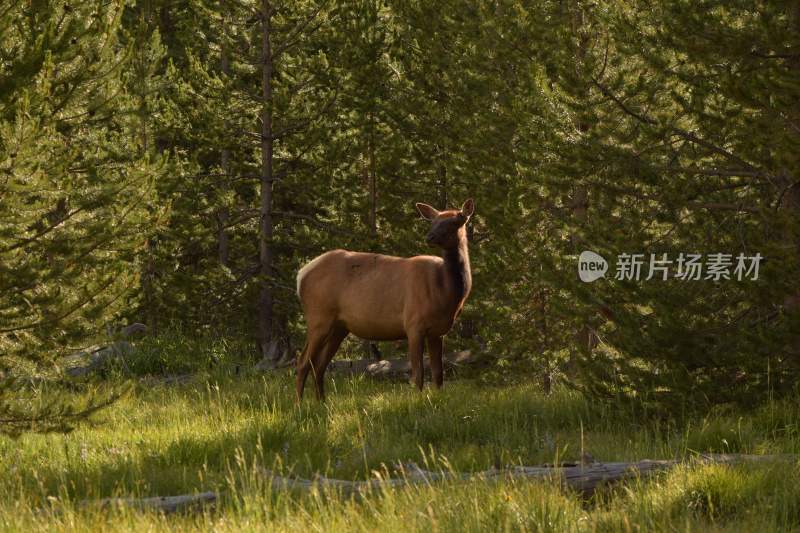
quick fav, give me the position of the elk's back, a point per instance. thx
(370, 294)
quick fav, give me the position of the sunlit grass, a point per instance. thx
(217, 433)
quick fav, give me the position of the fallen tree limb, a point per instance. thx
(174, 379)
(400, 368)
(585, 478)
(97, 357)
(165, 504)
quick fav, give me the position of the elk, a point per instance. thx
(381, 298)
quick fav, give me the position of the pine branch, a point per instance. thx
(678, 131)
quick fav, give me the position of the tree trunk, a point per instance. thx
(370, 180)
(370, 349)
(373, 191)
(148, 279)
(265, 236)
(584, 337)
(223, 215)
(442, 171)
(791, 205)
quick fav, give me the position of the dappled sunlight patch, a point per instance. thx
(705, 495)
(220, 434)
(456, 506)
(723, 435)
(727, 493)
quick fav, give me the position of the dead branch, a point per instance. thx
(584, 478)
(400, 368)
(98, 356)
(164, 504)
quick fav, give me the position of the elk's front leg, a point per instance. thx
(435, 354)
(416, 345)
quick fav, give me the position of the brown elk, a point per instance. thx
(380, 297)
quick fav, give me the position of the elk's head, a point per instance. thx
(446, 226)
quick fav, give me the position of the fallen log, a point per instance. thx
(97, 357)
(164, 504)
(584, 478)
(174, 379)
(399, 368)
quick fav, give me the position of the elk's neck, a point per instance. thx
(459, 276)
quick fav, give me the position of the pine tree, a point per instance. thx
(466, 107)
(73, 195)
(250, 99)
(689, 149)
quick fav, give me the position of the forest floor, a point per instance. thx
(218, 432)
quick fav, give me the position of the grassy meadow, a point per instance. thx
(217, 431)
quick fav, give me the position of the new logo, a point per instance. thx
(591, 266)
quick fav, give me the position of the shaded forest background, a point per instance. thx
(174, 162)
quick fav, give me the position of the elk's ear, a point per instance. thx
(468, 208)
(427, 212)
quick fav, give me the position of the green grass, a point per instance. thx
(215, 433)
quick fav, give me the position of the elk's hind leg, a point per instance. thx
(435, 354)
(323, 356)
(315, 341)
